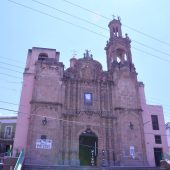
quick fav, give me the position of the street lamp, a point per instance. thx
(131, 126)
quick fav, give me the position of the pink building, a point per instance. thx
(84, 115)
(168, 135)
(154, 130)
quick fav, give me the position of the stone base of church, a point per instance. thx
(73, 162)
(133, 163)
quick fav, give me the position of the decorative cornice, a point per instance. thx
(97, 81)
(46, 103)
(102, 114)
(50, 61)
(128, 109)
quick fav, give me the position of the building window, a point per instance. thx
(8, 132)
(158, 139)
(155, 124)
(88, 98)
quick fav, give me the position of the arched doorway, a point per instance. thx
(88, 148)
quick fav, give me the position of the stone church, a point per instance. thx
(82, 115)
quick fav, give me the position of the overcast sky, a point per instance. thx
(27, 24)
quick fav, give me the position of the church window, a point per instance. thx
(88, 98)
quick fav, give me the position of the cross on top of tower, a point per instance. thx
(114, 17)
(87, 55)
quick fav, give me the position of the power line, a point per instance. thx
(11, 82)
(2, 108)
(147, 35)
(140, 32)
(12, 65)
(105, 36)
(80, 27)
(10, 70)
(87, 10)
(164, 106)
(51, 7)
(8, 103)
(76, 25)
(154, 49)
(16, 61)
(74, 16)
(57, 18)
(59, 119)
(8, 75)
(8, 89)
(162, 59)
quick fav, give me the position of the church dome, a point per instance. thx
(85, 68)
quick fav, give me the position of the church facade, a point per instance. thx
(82, 115)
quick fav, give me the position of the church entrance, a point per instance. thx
(88, 148)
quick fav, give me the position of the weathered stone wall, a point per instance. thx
(59, 96)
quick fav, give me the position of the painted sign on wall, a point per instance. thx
(132, 151)
(43, 144)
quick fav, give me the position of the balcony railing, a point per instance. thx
(4, 135)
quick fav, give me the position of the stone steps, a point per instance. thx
(40, 167)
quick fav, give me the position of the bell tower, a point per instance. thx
(118, 47)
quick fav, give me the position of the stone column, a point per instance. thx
(108, 96)
(141, 125)
(101, 143)
(98, 95)
(104, 148)
(71, 90)
(74, 157)
(118, 151)
(111, 144)
(60, 143)
(107, 129)
(77, 96)
(68, 95)
(65, 141)
(100, 147)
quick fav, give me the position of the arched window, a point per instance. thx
(117, 33)
(121, 54)
(118, 60)
(42, 56)
(125, 57)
